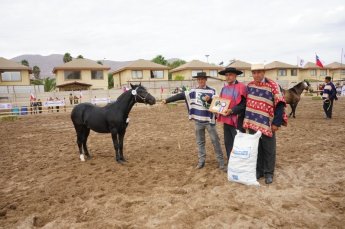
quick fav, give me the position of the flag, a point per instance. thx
(32, 96)
(318, 62)
(300, 62)
(162, 89)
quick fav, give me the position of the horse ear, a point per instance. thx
(132, 86)
(139, 84)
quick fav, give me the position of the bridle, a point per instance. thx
(135, 93)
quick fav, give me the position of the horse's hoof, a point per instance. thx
(88, 157)
(82, 158)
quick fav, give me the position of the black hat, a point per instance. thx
(201, 74)
(230, 70)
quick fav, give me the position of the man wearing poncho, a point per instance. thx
(264, 112)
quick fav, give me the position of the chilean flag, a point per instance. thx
(318, 62)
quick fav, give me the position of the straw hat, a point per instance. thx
(257, 67)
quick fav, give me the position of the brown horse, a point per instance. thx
(293, 95)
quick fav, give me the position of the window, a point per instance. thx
(72, 75)
(313, 72)
(137, 74)
(157, 74)
(96, 75)
(11, 76)
(293, 72)
(323, 72)
(281, 72)
(195, 72)
(213, 73)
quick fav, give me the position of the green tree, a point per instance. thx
(176, 63)
(36, 71)
(110, 81)
(36, 82)
(80, 57)
(159, 59)
(49, 84)
(67, 57)
(25, 62)
(179, 77)
(99, 62)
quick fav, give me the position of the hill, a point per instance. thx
(47, 63)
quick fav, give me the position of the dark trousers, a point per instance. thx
(229, 137)
(327, 107)
(266, 155)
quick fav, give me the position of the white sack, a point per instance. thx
(243, 157)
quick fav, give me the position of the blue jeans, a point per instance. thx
(200, 141)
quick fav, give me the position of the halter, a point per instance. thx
(134, 92)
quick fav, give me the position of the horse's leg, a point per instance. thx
(291, 106)
(80, 136)
(86, 135)
(294, 110)
(121, 138)
(116, 145)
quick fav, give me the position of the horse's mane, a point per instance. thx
(124, 94)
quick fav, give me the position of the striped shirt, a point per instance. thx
(196, 106)
(329, 91)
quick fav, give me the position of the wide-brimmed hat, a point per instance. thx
(257, 67)
(201, 74)
(230, 70)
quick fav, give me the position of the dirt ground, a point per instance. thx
(44, 184)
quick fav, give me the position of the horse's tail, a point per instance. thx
(77, 114)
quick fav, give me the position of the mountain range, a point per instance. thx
(47, 63)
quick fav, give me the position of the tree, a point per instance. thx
(179, 77)
(99, 62)
(36, 82)
(80, 57)
(36, 71)
(110, 81)
(67, 57)
(25, 62)
(159, 59)
(49, 84)
(176, 63)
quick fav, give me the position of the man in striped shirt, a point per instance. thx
(203, 118)
(264, 112)
(329, 94)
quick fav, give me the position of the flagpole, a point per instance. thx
(341, 62)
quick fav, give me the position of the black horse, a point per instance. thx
(293, 95)
(111, 118)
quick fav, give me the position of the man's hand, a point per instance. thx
(274, 128)
(207, 98)
(228, 112)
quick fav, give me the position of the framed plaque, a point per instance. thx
(219, 105)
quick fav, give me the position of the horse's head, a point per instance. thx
(306, 85)
(141, 95)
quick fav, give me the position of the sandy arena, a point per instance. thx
(44, 184)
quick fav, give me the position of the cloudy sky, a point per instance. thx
(252, 31)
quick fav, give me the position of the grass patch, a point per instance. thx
(8, 118)
(316, 98)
